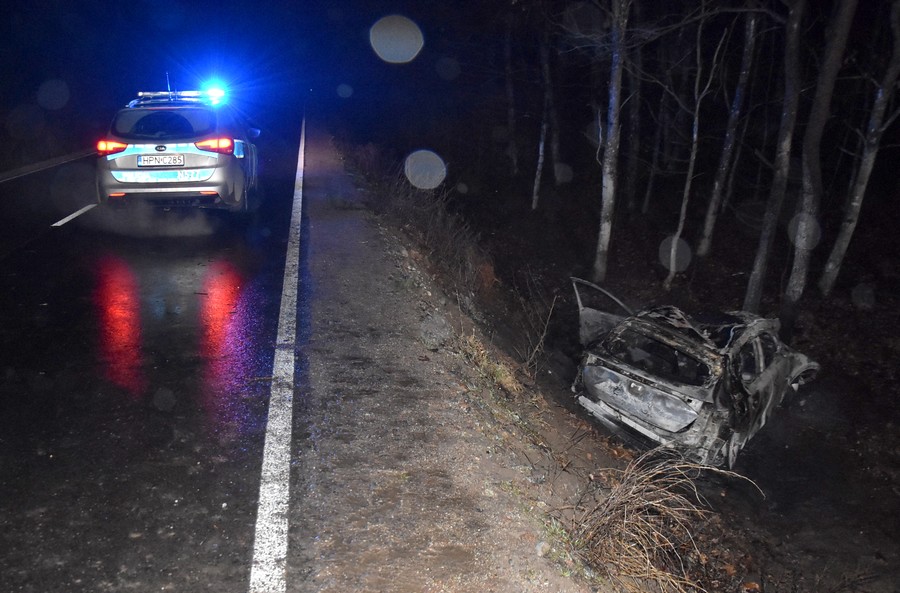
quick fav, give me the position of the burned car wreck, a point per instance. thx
(703, 384)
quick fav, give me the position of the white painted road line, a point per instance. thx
(74, 215)
(268, 572)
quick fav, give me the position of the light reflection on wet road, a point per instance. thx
(133, 390)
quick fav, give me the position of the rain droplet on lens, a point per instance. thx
(53, 94)
(344, 91)
(863, 296)
(396, 39)
(447, 68)
(425, 169)
(682, 254)
(563, 172)
(813, 231)
(164, 399)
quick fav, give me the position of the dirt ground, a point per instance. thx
(413, 475)
(417, 473)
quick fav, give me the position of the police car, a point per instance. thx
(178, 149)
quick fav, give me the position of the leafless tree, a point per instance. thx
(552, 112)
(632, 158)
(790, 102)
(700, 91)
(549, 123)
(657, 150)
(871, 143)
(734, 116)
(545, 121)
(807, 229)
(620, 9)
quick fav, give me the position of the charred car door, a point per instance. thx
(599, 311)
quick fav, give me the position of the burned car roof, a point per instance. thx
(717, 330)
(704, 383)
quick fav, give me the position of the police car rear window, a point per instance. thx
(163, 124)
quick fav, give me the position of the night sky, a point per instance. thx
(67, 66)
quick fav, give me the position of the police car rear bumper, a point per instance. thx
(215, 192)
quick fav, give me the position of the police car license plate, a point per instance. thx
(160, 160)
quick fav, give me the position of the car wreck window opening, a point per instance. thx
(724, 335)
(656, 358)
(746, 367)
(769, 349)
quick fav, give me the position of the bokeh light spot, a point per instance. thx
(344, 91)
(682, 254)
(425, 169)
(499, 134)
(812, 235)
(396, 39)
(462, 188)
(447, 68)
(863, 296)
(563, 173)
(25, 121)
(53, 94)
(73, 185)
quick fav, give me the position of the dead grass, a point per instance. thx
(494, 371)
(535, 313)
(640, 533)
(450, 244)
(452, 249)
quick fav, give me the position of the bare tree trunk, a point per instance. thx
(512, 149)
(676, 131)
(807, 227)
(535, 192)
(685, 196)
(632, 159)
(657, 149)
(875, 129)
(555, 142)
(734, 116)
(782, 156)
(733, 172)
(611, 152)
(699, 94)
(546, 114)
(550, 117)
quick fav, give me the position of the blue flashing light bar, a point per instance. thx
(214, 91)
(211, 95)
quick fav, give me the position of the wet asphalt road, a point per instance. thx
(136, 367)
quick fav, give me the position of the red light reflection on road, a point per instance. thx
(117, 300)
(223, 344)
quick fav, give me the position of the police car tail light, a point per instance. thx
(223, 145)
(105, 147)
